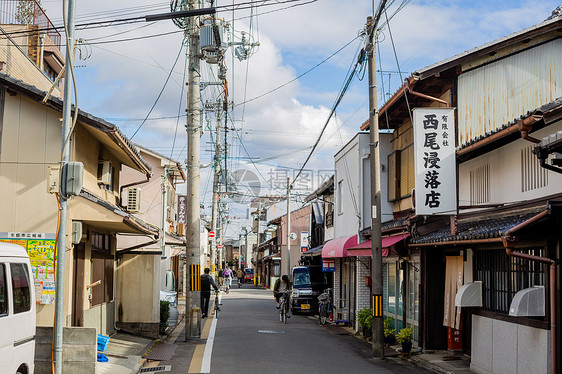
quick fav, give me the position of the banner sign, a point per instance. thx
(435, 164)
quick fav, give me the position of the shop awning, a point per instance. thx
(364, 249)
(338, 247)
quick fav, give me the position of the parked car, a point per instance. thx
(17, 310)
(249, 276)
(308, 282)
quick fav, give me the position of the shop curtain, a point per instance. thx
(453, 281)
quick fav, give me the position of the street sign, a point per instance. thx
(211, 234)
(219, 246)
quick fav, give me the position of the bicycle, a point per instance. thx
(284, 306)
(217, 304)
(325, 306)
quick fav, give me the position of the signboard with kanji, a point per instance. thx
(41, 250)
(434, 160)
(182, 204)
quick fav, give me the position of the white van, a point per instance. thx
(17, 311)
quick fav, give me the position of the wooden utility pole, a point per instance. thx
(193, 227)
(289, 228)
(376, 240)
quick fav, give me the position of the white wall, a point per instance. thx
(352, 171)
(505, 172)
(503, 347)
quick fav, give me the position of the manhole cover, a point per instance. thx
(270, 332)
(156, 368)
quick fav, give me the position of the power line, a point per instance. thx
(160, 94)
(300, 76)
(340, 97)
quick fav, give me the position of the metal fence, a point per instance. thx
(8, 12)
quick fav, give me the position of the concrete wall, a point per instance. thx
(79, 350)
(138, 289)
(503, 347)
(102, 317)
(505, 172)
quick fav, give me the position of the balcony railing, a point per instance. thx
(8, 15)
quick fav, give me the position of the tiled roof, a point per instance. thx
(484, 226)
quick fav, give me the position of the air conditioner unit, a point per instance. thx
(133, 199)
(104, 172)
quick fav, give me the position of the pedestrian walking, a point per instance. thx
(240, 276)
(206, 282)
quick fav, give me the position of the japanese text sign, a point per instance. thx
(435, 166)
(182, 206)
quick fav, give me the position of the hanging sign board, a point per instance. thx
(435, 166)
(304, 241)
(328, 265)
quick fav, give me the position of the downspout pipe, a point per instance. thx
(509, 241)
(526, 125)
(410, 90)
(131, 185)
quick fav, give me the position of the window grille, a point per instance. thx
(503, 276)
(480, 184)
(533, 176)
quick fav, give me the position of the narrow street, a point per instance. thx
(250, 339)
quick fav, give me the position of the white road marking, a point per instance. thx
(206, 363)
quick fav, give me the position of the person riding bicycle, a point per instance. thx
(228, 276)
(206, 282)
(280, 286)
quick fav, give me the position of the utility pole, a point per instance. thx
(61, 242)
(164, 211)
(376, 240)
(289, 227)
(216, 168)
(193, 245)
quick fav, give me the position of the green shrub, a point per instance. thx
(405, 335)
(365, 318)
(164, 315)
(388, 332)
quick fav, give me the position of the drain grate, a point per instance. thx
(156, 369)
(271, 332)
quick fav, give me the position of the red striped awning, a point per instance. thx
(364, 249)
(338, 247)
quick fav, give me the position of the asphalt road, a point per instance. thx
(250, 338)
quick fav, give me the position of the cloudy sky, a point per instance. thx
(123, 69)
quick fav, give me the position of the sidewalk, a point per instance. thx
(442, 362)
(124, 353)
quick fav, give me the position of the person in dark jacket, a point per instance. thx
(206, 282)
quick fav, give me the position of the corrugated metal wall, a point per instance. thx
(495, 94)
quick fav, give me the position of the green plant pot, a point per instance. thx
(406, 347)
(390, 340)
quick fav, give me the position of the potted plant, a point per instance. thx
(365, 319)
(405, 338)
(389, 337)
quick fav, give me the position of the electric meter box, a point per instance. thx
(74, 178)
